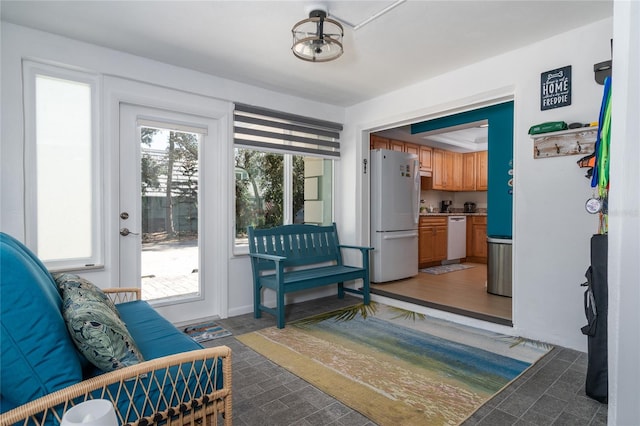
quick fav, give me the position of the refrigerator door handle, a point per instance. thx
(396, 236)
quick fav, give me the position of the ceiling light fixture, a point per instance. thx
(317, 38)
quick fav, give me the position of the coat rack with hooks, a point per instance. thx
(580, 141)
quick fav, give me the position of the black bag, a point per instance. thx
(596, 310)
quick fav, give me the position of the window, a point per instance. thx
(62, 179)
(283, 169)
(169, 206)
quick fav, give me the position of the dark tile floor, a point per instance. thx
(549, 393)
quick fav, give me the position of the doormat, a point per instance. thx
(443, 269)
(396, 370)
(206, 331)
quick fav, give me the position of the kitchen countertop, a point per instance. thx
(454, 214)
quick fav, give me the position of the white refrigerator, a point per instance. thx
(395, 197)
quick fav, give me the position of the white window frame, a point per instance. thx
(287, 196)
(265, 130)
(30, 71)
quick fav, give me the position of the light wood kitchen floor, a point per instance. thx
(461, 292)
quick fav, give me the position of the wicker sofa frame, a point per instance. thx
(206, 404)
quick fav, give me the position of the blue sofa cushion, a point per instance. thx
(97, 330)
(151, 331)
(37, 354)
(157, 337)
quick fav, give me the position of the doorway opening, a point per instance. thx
(467, 172)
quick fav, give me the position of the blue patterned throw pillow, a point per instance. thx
(95, 327)
(88, 290)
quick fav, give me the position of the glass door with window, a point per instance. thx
(160, 203)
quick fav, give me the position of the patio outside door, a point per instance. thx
(159, 215)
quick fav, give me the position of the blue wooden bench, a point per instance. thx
(297, 257)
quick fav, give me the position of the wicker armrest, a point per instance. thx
(199, 401)
(123, 294)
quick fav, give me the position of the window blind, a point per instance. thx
(257, 127)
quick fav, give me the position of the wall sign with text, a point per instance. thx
(555, 88)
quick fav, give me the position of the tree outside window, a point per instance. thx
(169, 181)
(260, 189)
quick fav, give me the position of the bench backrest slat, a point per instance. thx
(301, 244)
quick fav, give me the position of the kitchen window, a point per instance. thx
(283, 167)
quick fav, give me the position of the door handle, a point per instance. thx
(125, 231)
(397, 237)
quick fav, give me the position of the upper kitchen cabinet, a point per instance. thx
(438, 180)
(426, 156)
(396, 145)
(412, 148)
(454, 171)
(469, 171)
(453, 163)
(378, 142)
(423, 153)
(482, 170)
(447, 170)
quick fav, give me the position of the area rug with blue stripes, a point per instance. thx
(399, 368)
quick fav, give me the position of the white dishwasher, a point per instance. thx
(457, 237)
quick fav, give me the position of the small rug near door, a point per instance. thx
(206, 331)
(443, 269)
(399, 370)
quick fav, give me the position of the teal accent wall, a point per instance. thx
(500, 135)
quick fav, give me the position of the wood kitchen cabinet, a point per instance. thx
(482, 170)
(412, 148)
(426, 154)
(469, 171)
(450, 171)
(378, 142)
(455, 182)
(455, 171)
(438, 172)
(396, 145)
(432, 246)
(477, 239)
(447, 170)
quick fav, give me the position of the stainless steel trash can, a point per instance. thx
(499, 279)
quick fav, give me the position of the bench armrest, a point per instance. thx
(361, 248)
(198, 368)
(272, 257)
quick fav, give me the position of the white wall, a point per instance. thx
(551, 227)
(19, 43)
(624, 219)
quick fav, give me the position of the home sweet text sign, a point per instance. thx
(555, 88)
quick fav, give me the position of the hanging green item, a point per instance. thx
(605, 136)
(600, 178)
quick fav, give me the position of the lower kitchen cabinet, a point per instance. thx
(477, 239)
(432, 245)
